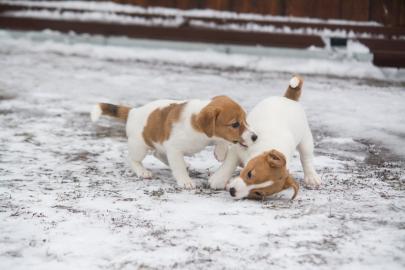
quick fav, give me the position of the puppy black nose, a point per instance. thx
(254, 137)
(232, 191)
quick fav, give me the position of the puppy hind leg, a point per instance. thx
(306, 150)
(137, 152)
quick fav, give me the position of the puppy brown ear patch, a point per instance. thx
(275, 159)
(205, 120)
(290, 182)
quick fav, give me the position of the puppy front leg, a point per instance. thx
(220, 150)
(179, 169)
(219, 179)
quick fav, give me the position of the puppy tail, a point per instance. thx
(293, 91)
(117, 111)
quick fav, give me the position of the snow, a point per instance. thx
(343, 63)
(354, 47)
(294, 82)
(254, 27)
(96, 17)
(69, 200)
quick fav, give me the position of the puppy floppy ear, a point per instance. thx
(206, 120)
(275, 159)
(290, 182)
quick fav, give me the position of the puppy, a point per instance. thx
(282, 127)
(172, 129)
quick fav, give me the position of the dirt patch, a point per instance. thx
(5, 97)
(5, 112)
(81, 156)
(377, 154)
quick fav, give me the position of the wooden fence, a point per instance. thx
(388, 12)
(386, 43)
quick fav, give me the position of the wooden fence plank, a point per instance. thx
(388, 12)
(357, 10)
(161, 3)
(256, 6)
(218, 4)
(299, 8)
(383, 44)
(402, 14)
(395, 17)
(389, 59)
(187, 4)
(142, 3)
(328, 9)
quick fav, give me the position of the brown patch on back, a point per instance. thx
(217, 117)
(117, 111)
(294, 93)
(270, 165)
(160, 122)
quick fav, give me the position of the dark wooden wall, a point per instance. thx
(388, 12)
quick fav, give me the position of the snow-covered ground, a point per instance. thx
(68, 199)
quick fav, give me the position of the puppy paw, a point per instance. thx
(186, 184)
(312, 180)
(217, 182)
(146, 174)
(140, 171)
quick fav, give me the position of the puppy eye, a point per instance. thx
(235, 125)
(249, 174)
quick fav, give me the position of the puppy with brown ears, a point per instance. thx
(264, 175)
(172, 129)
(282, 127)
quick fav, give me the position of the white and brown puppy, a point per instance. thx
(172, 129)
(282, 127)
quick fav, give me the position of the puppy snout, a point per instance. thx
(232, 191)
(254, 137)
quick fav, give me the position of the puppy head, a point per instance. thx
(264, 175)
(224, 118)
